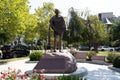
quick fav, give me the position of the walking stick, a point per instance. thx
(49, 45)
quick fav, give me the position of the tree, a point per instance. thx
(43, 15)
(115, 33)
(97, 33)
(75, 27)
(12, 18)
(30, 32)
(8, 21)
(85, 29)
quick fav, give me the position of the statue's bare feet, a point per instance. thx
(54, 51)
(60, 51)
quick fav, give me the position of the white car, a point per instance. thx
(105, 48)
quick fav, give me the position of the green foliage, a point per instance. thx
(84, 28)
(43, 15)
(75, 27)
(90, 54)
(73, 50)
(111, 56)
(71, 77)
(98, 29)
(30, 28)
(35, 56)
(12, 19)
(36, 48)
(115, 33)
(116, 62)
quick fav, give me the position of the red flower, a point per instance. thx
(22, 77)
(52, 78)
(15, 76)
(19, 71)
(26, 74)
(42, 76)
(3, 76)
(9, 68)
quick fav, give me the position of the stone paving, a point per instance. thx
(99, 72)
(95, 71)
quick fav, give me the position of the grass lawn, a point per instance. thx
(102, 53)
(12, 59)
(105, 53)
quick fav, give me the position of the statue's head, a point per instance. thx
(57, 11)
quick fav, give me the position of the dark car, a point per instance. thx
(20, 50)
(7, 51)
(117, 49)
(84, 48)
(14, 51)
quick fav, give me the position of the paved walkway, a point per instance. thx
(95, 72)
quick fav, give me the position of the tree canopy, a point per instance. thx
(12, 18)
(83, 31)
(43, 15)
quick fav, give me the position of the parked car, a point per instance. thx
(14, 51)
(117, 49)
(105, 48)
(6, 51)
(84, 48)
(20, 50)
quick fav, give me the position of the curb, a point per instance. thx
(31, 61)
(114, 68)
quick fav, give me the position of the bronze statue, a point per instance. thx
(57, 23)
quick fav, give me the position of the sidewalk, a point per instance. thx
(95, 71)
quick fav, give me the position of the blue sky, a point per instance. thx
(95, 6)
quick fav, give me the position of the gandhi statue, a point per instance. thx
(57, 23)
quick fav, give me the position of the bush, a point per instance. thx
(35, 48)
(73, 51)
(111, 56)
(35, 56)
(90, 54)
(116, 62)
(71, 77)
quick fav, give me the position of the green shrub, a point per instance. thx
(73, 51)
(90, 54)
(116, 62)
(111, 56)
(71, 77)
(35, 56)
(35, 48)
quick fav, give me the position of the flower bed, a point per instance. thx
(13, 74)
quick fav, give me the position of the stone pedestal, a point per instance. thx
(57, 62)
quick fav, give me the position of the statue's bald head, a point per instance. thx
(57, 11)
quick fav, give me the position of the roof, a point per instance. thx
(106, 21)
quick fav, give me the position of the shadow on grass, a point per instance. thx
(3, 62)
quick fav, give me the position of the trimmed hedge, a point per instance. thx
(116, 62)
(35, 56)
